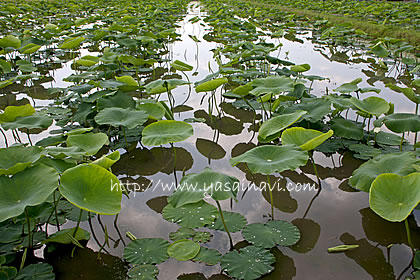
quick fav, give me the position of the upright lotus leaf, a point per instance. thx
(183, 250)
(63, 152)
(194, 187)
(117, 117)
(306, 139)
(210, 85)
(88, 60)
(389, 139)
(16, 158)
(243, 90)
(349, 87)
(39, 271)
(393, 197)
(372, 105)
(165, 132)
(36, 121)
(64, 236)
(27, 188)
(269, 159)
(107, 161)
(89, 142)
(72, 43)
(29, 48)
(181, 66)
(119, 99)
(208, 256)
(300, 68)
(92, 188)
(80, 130)
(249, 263)
(147, 251)
(278, 123)
(316, 108)
(272, 84)
(26, 66)
(12, 112)
(128, 80)
(346, 128)
(397, 163)
(400, 122)
(408, 92)
(155, 111)
(379, 49)
(10, 41)
(5, 66)
(143, 272)
(160, 86)
(271, 234)
(234, 221)
(193, 215)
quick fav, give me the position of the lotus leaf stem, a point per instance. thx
(224, 223)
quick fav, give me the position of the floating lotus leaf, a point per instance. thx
(210, 85)
(72, 43)
(92, 188)
(64, 236)
(29, 122)
(346, 128)
(393, 197)
(202, 237)
(88, 60)
(208, 256)
(194, 215)
(183, 250)
(91, 143)
(165, 132)
(372, 105)
(27, 188)
(271, 84)
(39, 271)
(12, 112)
(147, 251)
(116, 117)
(401, 122)
(249, 263)
(234, 222)
(364, 152)
(143, 272)
(271, 234)
(398, 163)
(16, 158)
(278, 123)
(269, 159)
(182, 233)
(194, 187)
(160, 86)
(181, 66)
(342, 248)
(306, 139)
(107, 161)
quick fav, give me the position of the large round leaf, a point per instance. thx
(17, 158)
(208, 256)
(38, 271)
(116, 117)
(27, 188)
(316, 108)
(166, 131)
(402, 122)
(372, 105)
(393, 197)
(271, 234)
(143, 272)
(89, 142)
(278, 123)
(147, 251)
(92, 188)
(29, 122)
(210, 85)
(183, 250)
(399, 163)
(271, 84)
(249, 263)
(12, 112)
(192, 215)
(306, 139)
(234, 222)
(194, 187)
(269, 159)
(71, 43)
(347, 129)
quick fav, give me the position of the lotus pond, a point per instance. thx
(207, 140)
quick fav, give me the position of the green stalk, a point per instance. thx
(55, 211)
(29, 228)
(224, 223)
(271, 198)
(407, 229)
(401, 142)
(78, 223)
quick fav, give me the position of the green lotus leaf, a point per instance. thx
(408, 92)
(117, 117)
(182, 233)
(380, 49)
(143, 272)
(155, 110)
(243, 90)
(393, 197)
(278, 123)
(416, 262)
(29, 122)
(390, 139)
(372, 105)
(397, 163)
(160, 86)
(364, 152)
(183, 250)
(193, 215)
(249, 263)
(316, 108)
(91, 143)
(210, 85)
(147, 251)
(107, 161)
(342, 248)
(306, 139)
(349, 87)
(16, 158)
(202, 236)
(5, 66)
(300, 68)
(194, 187)
(72, 43)
(64, 236)
(272, 85)
(26, 66)
(12, 112)
(27, 188)
(119, 99)
(402, 122)
(346, 128)
(269, 159)
(208, 256)
(210, 149)
(92, 188)
(234, 222)
(271, 234)
(39, 271)
(88, 60)
(29, 48)
(10, 41)
(181, 66)
(63, 152)
(127, 80)
(165, 132)
(80, 130)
